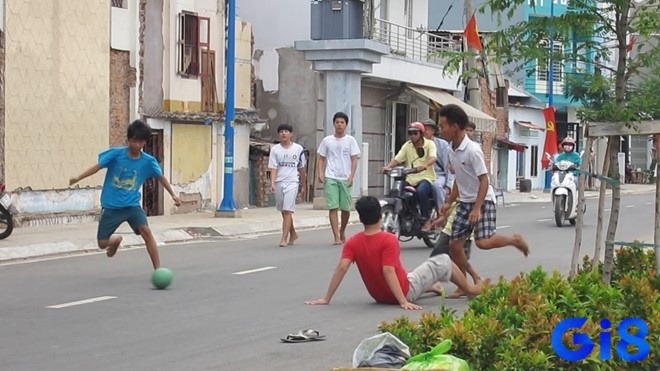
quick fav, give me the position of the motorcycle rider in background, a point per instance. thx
(411, 155)
(569, 154)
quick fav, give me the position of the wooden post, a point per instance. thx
(580, 208)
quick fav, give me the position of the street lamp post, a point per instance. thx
(228, 203)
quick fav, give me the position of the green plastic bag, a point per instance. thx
(436, 359)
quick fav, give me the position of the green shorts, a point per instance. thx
(337, 194)
(111, 219)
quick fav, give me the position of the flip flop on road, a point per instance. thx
(304, 336)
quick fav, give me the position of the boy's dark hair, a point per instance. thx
(368, 208)
(454, 115)
(471, 125)
(285, 127)
(138, 130)
(340, 115)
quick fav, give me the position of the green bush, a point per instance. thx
(509, 326)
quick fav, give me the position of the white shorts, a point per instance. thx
(285, 196)
(435, 269)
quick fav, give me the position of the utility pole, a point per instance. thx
(473, 91)
(228, 204)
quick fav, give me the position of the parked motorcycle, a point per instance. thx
(400, 210)
(6, 211)
(563, 189)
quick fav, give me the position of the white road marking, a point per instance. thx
(504, 227)
(607, 210)
(630, 206)
(650, 203)
(81, 302)
(254, 270)
(544, 220)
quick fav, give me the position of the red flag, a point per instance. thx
(629, 48)
(471, 34)
(550, 147)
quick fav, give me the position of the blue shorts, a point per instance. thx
(111, 219)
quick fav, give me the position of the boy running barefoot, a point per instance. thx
(476, 207)
(127, 169)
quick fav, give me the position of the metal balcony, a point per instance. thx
(411, 43)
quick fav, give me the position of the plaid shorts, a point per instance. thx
(485, 227)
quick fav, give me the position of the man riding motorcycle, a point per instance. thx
(411, 155)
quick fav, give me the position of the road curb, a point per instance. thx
(171, 236)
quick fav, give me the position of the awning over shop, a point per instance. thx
(529, 125)
(483, 121)
(518, 147)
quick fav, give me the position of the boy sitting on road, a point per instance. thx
(377, 256)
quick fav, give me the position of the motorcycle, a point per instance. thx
(6, 211)
(400, 210)
(564, 192)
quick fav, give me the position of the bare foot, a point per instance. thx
(293, 238)
(115, 242)
(426, 227)
(480, 286)
(338, 243)
(342, 237)
(437, 288)
(456, 294)
(521, 244)
(283, 243)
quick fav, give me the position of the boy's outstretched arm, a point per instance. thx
(393, 283)
(166, 184)
(336, 279)
(89, 172)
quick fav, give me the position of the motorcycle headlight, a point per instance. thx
(396, 173)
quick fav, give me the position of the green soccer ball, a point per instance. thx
(161, 278)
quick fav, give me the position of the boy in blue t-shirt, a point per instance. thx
(128, 168)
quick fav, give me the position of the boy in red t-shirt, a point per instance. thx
(377, 255)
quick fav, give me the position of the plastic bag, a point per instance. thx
(436, 359)
(380, 348)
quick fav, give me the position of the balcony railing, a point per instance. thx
(412, 43)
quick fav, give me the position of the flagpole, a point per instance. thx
(551, 93)
(473, 95)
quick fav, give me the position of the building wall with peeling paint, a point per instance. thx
(192, 155)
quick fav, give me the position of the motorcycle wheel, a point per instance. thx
(6, 223)
(390, 220)
(560, 216)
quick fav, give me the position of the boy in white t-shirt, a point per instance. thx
(287, 170)
(336, 165)
(476, 207)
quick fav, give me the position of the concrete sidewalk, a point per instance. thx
(49, 240)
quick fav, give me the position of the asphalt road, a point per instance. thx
(213, 319)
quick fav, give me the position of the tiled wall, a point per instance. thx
(57, 83)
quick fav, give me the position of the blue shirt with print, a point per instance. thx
(125, 177)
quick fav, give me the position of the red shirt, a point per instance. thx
(370, 254)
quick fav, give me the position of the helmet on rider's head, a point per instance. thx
(568, 141)
(416, 126)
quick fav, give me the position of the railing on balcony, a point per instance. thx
(411, 43)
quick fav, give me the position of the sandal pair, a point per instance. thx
(304, 336)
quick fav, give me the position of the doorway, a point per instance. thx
(152, 190)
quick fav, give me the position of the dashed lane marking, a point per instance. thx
(81, 302)
(254, 270)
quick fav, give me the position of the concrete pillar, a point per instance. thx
(343, 62)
